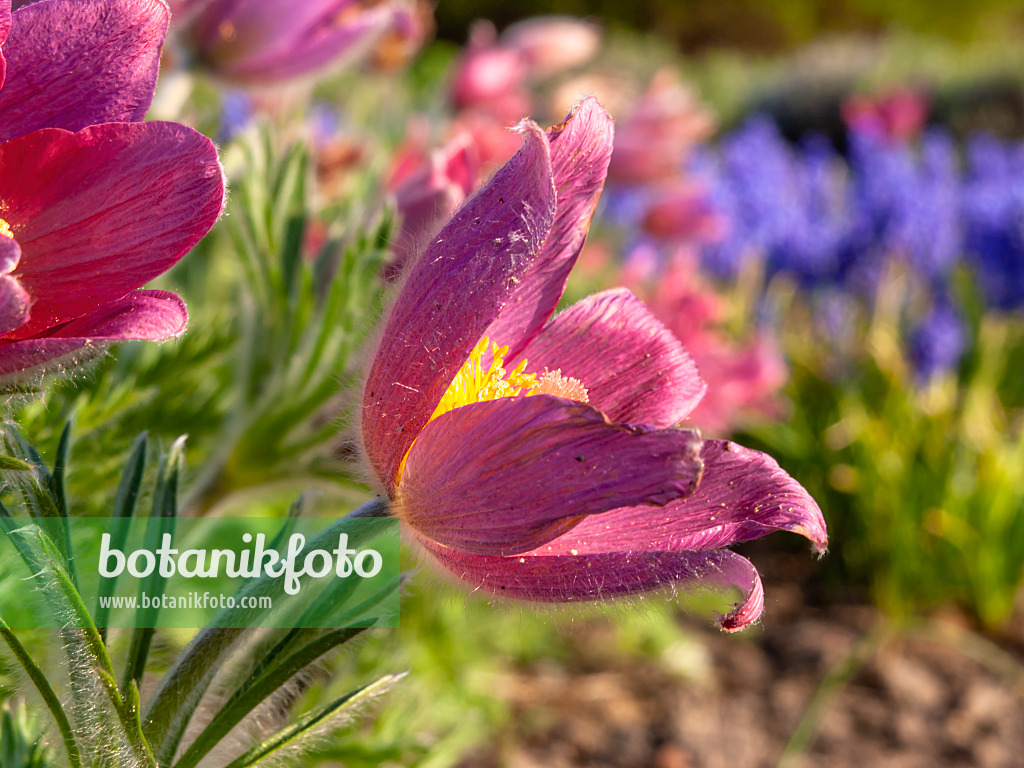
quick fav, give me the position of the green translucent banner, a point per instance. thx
(310, 572)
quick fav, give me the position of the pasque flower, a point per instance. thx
(260, 41)
(92, 205)
(427, 188)
(538, 458)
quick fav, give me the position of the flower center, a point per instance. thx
(5, 229)
(475, 384)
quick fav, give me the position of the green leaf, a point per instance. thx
(87, 654)
(162, 521)
(124, 510)
(14, 465)
(50, 699)
(180, 690)
(292, 736)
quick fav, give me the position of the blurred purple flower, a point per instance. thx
(490, 77)
(993, 211)
(580, 487)
(253, 42)
(938, 342)
(664, 126)
(426, 192)
(552, 44)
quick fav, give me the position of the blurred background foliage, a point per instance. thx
(703, 25)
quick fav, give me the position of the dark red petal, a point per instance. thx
(581, 148)
(103, 211)
(74, 63)
(608, 575)
(508, 475)
(634, 369)
(742, 495)
(453, 292)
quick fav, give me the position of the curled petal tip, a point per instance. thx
(746, 612)
(526, 127)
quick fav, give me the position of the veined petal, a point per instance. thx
(103, 211)
(5, 20)
(742, 495)
(634, 369)
(14, 304)
(453, 292)
(607, 575)
(5, 30)
(508, 475)
(74, 63)
(10, 254)
(150, 315)
(581, 148)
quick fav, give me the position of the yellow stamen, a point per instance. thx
(474, 384)
(5, 229)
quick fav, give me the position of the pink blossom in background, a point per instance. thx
(493, 140)
(410, 30)
(657, 136)
(254, 42)
(427, 188)
(895, 116)
(537, 457)
(682, 211)
(744, 378)
(490, 77)
(550, 45)
(91, 212)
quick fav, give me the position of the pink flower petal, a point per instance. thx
(607, 575)
(581, 148)
(634, 369)
(5, 22)
(150, 315)
(10, 254)
(73, 63)
(453, 292)
(103, 211)
(14, 304)
(508, 475)
(742, 495)
(322, 44)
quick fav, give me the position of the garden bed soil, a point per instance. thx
(938, 697)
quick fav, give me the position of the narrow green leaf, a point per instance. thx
(255, 691)
(291, 735)
(59, 491)
(180, 690)
(39, 497)
(81, 638)
(124, 510)
(13, 464)
(161, 522)
(38, 678)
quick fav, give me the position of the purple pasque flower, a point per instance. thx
(73, 63)
(538, 458)
(91, 212)
(253, 42)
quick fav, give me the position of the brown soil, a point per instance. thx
(939, 696)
